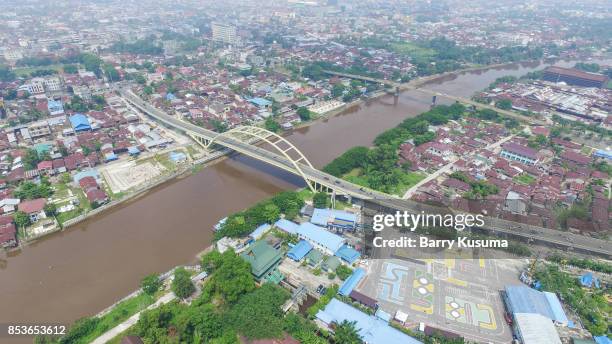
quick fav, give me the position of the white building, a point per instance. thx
(224, 33)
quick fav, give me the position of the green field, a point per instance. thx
(524, 179)
(26, 71)
(412, 50)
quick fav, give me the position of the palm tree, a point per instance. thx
(346, 333)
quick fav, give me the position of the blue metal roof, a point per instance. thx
(348, 254)
(287, 226)
(133, 150)
(260, 102)
(600, 153)
(299, 250)
(371, 329)
(351, 282)
(80, 122)
(110, 156)
(260, 231)
(87, 173)
(602, 340)
(320, 236)
(523, 299)
(322, 217)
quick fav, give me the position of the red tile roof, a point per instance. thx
(32, 206)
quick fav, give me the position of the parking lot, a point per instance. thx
(458, 295)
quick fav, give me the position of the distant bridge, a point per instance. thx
(416, 85)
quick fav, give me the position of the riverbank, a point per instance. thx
(83, 269)
(216, 157)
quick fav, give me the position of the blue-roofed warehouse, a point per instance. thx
(351, 282)
(334, 219)
(371, 329)
(287, 226)
(348, 254)
(522, 299)
(80, 122)
(329, 243)
(300, 250)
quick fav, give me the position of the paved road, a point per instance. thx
(567, 241)
(131, 321)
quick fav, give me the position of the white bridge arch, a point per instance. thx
(282, 145)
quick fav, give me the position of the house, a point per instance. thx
(8, 232)
(45, 167)
(96, 197)
(331, 264)
(34, 208)
(8, 205)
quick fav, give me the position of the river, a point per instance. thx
(84, 269)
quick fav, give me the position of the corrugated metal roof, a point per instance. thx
(351, 282)
(536, 329)
(287, 226)
(371, 329)
(299, 250)
(348, 254)
(320, 236)
(523, 299)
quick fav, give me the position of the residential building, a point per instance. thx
(224, 33)
(520, 153)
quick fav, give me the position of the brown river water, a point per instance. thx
(86, 268)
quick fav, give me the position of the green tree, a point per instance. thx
(150, 284)
(148, 90)
(337, 90)
(319, 200)
(272, 125)
(271, 213)
(261, 306)
(304, 113)
(50, 209)
(343, 272)
(182, 286)
(70, 69)
(346, 333)
(504, 104)
(22, 219)
(231, 277)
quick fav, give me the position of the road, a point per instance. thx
(390, 203)
(131, 321)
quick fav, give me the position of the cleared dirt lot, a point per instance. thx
(123, 176)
